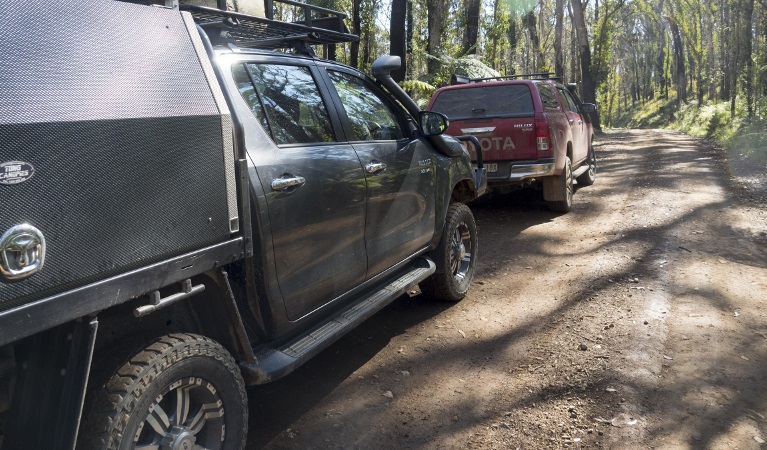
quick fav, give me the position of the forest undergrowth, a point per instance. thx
(742, 137)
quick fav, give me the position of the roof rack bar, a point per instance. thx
(243, 30)
(543, 75)
(458, 79)
(308, 7)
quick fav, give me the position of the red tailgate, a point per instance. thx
(499, 114)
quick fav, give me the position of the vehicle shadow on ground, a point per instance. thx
(275, 406)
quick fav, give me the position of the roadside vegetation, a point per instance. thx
(741, 136)
(695, 65)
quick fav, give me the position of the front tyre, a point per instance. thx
(455, 257)
(184, 391)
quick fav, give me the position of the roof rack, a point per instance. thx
(319, 26)
(457, 79)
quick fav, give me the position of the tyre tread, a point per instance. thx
(439, 285)
(117, 399)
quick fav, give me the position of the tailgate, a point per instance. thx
(500, 115)
(501, 139)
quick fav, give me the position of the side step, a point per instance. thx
(580, 170)
(273, 363)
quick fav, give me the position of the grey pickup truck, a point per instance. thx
(191, 201)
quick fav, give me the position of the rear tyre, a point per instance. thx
(560, 188)
(183, 391)
(588, 177)
(455, 257)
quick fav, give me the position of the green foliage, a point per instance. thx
(746, 138)
(420, 91)
(469, 66)
(521, 6)
(710, 121)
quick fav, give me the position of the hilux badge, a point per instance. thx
(22, 252)
(15, 172)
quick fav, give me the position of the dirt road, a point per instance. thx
(638, 320)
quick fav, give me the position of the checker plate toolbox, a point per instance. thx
(133, 161)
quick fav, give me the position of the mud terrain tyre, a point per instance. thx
(455, 257)
(588, 177)
(558, 191)
(182, 391)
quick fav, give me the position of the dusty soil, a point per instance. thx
(635, 321)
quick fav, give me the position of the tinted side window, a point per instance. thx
(569, 102)
(287, 102)
(548, 97)
(507, 100)
(249, 94)
(370, 117)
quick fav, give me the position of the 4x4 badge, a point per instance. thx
(15, 172)
(22, 252)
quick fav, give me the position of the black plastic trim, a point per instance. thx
(275, 362)
(58, 309)
(248, 31)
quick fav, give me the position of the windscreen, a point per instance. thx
(507, 100)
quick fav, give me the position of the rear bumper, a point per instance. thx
(510, 172)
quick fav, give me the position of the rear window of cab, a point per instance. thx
(502, 100)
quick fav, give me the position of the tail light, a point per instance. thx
(542, 138)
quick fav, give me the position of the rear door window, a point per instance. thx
(569, 102)
(509, 100)
(548, 98)
(286, 101)
(371, 119)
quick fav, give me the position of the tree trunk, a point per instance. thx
(748, 13)
(494, 38)
(584, 50)
(559, 13)
(535, 42)
(511, 34)
(575, 67)
(436, 10)
(471, 33)
(733, 69)
(397, 37)
(354, 51)
(661, 61)
(724, 40)
(680, 78)
(762, 77)
(410, 24)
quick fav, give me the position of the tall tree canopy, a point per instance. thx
(621, 53)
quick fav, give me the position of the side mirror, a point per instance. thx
(432, 123)
(588, 107)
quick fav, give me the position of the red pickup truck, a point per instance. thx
(533, 132)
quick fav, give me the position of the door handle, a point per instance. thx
(375, 167)
(580, 122)
(287, 182)
(572, 121)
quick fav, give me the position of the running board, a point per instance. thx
(580, 170)
(274, 363)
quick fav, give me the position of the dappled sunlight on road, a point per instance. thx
(635, 320)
